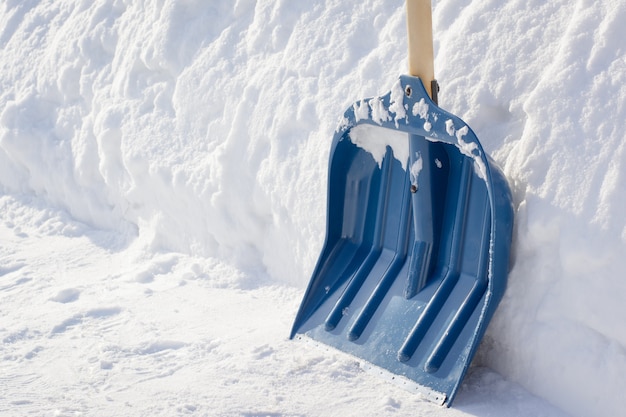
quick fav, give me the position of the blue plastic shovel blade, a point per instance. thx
(419, 227)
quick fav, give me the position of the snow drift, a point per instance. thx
(204, 130)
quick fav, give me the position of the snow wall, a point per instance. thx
(204, 128)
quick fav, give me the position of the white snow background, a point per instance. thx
(162, 201)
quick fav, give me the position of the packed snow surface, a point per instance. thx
(163, 193)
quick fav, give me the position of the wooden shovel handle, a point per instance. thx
(420, 30)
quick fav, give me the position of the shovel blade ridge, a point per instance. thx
(418, 235)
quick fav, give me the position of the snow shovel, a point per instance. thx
(419, 226)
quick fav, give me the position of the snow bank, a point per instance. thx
(207, 125)
(204, 130)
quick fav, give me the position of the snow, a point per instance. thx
(415, 169)
(162, 200)
(421, 108)
(375, 140)
(396, 104)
